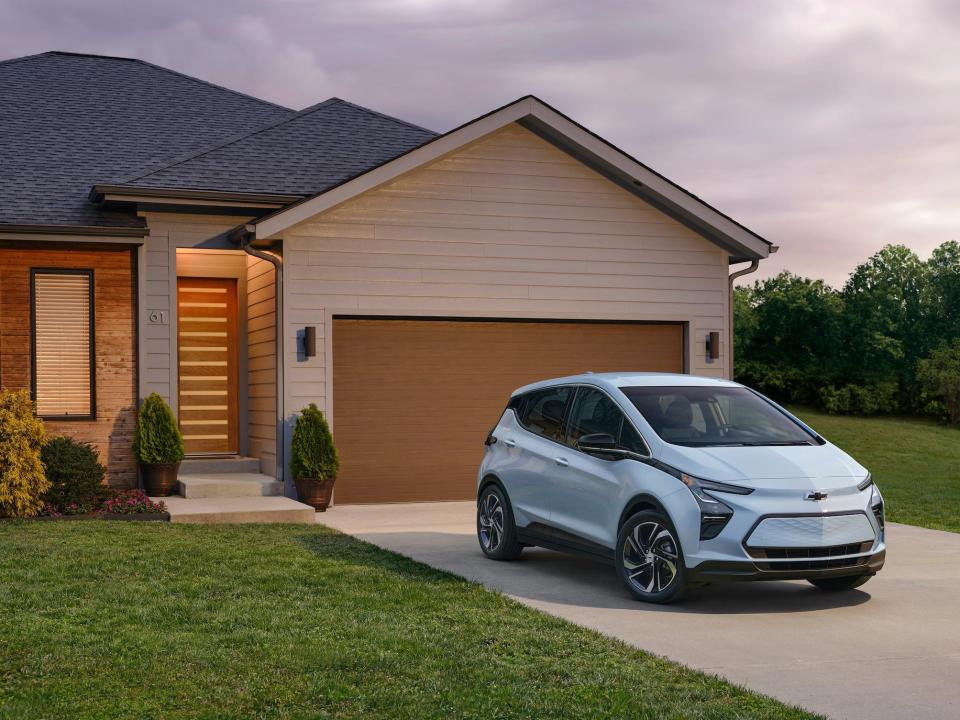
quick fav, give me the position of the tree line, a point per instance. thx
(887, 342)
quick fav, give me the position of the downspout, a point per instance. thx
(247, 236)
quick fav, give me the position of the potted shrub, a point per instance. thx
(313, 461)
(158, 446)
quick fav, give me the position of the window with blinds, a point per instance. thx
(63, 379)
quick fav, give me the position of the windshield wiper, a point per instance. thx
(779, 443)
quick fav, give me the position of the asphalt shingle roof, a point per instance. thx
(71, 121)
(313, 150)
(68, 121)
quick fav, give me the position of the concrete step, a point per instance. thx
(224, 485)
(238, 510)
(218, 465)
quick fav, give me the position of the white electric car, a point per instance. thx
(679, 481)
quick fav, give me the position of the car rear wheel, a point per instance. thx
(839, 584)
(496, 530)
(649, 558)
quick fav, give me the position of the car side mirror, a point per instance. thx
(597, 444)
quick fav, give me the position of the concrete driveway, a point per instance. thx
(890, 650)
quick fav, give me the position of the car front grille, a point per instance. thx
(809, 531)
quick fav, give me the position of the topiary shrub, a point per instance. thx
(157, 438)
(22, 482)
(75, 475)
(313, 454)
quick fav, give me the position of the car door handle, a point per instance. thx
(562, 462)
(510, 443)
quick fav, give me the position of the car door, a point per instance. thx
(587, 490)
(532, 443)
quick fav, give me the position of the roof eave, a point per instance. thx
(81, 230)
(106, 194)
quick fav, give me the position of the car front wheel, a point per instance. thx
(649, 558)
(496, 530)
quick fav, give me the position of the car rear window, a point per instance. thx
(543, 411)
(701, 416)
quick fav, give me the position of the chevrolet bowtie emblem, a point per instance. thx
(816, 495)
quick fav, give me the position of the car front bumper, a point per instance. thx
(726, 570)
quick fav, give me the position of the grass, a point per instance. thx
(916, 463)
(148, 620)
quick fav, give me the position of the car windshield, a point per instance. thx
(698, 416)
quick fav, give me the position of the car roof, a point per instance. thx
(630, 379)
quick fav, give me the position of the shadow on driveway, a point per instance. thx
(558, 578)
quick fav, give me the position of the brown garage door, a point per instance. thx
(414, 399)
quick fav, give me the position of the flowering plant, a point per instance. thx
(132, 502)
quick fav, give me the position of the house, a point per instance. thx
(159, 233)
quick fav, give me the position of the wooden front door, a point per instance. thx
(207, 337)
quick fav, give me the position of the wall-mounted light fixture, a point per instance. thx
(713, 345)
(310, 341)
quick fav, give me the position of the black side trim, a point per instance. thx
(547, 536)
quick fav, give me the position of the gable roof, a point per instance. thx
(553, 126)
(302, 154)
(70, 120)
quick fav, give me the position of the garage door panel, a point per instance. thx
(414, 399)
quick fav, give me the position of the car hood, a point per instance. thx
(816, 466)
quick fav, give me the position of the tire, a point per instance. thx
(839, 584)
(649, 558)
(496, 530)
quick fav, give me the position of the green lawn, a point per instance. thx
(916, 463)
(151, 620)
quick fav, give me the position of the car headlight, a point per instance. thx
(877, 506)
(714, 515)
(876, 499)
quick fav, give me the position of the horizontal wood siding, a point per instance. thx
(509, 226)
(114, 335)
(261, 349)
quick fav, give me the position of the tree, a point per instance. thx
(744, 320)
(942, 296)
(939, 378)
(791, 337)
(885, 319)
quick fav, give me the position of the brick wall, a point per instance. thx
(114, 336)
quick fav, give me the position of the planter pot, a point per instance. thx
(159, 479)
(315, 493)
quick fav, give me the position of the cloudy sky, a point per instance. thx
(829, 127)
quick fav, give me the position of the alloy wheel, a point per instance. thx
(650, 558)
(491, 522)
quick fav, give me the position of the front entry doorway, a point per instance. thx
(207, 341)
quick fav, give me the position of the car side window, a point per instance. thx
(630, 439)
(594, 412)
(543, 410)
